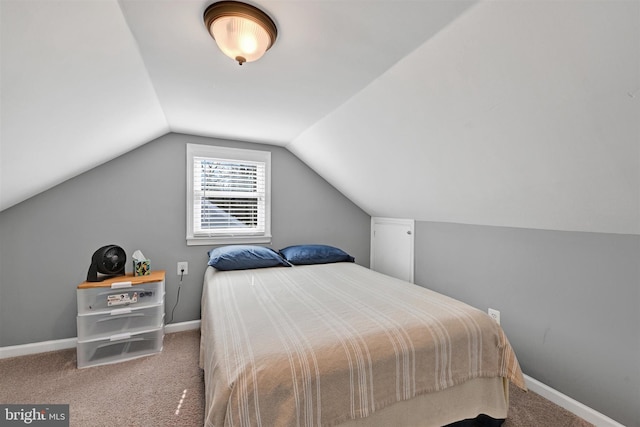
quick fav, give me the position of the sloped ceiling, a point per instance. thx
(522, 114)
(509, 113)
(86, 81)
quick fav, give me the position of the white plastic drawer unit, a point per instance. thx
(128, 319)
(119, 347)
(120, 318)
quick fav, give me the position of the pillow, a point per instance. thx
(314, 254)
(244, 257)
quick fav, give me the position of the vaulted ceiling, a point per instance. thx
(510, 113)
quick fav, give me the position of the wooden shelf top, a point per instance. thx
(155, 276)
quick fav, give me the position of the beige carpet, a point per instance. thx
(167, 389)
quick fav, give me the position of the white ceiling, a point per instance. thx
(521, 114)
(85, 81)
(511, 113)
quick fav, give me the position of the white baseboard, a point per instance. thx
(571, 405)
(182, 326)
(37, 347)
(55, 345)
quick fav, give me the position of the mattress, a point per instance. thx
(340, 344)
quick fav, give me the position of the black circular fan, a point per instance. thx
(108, 261)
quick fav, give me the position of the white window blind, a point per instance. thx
(229, 192)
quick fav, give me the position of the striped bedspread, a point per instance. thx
(319, 345)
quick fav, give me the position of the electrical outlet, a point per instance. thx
(183, 268)
(494, 314)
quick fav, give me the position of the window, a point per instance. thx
(228, 195)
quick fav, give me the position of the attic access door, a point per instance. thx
(392, 247)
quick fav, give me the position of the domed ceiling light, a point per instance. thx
(243, 32)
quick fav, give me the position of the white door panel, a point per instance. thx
(392, 247)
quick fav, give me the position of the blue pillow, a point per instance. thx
(244, 257)
(314, 254)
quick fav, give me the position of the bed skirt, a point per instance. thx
(482, 402)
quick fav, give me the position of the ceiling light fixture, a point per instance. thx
(243, 32)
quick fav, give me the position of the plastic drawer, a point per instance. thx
(130, 319)
(118, 348)
(108, 298)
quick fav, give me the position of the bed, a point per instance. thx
(337, 344)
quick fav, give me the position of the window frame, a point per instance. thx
(235, 155)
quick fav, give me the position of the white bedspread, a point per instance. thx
(319, 345)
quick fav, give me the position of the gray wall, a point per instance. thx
(138, 201)
(569, 302)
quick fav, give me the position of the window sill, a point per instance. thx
(236, 240)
